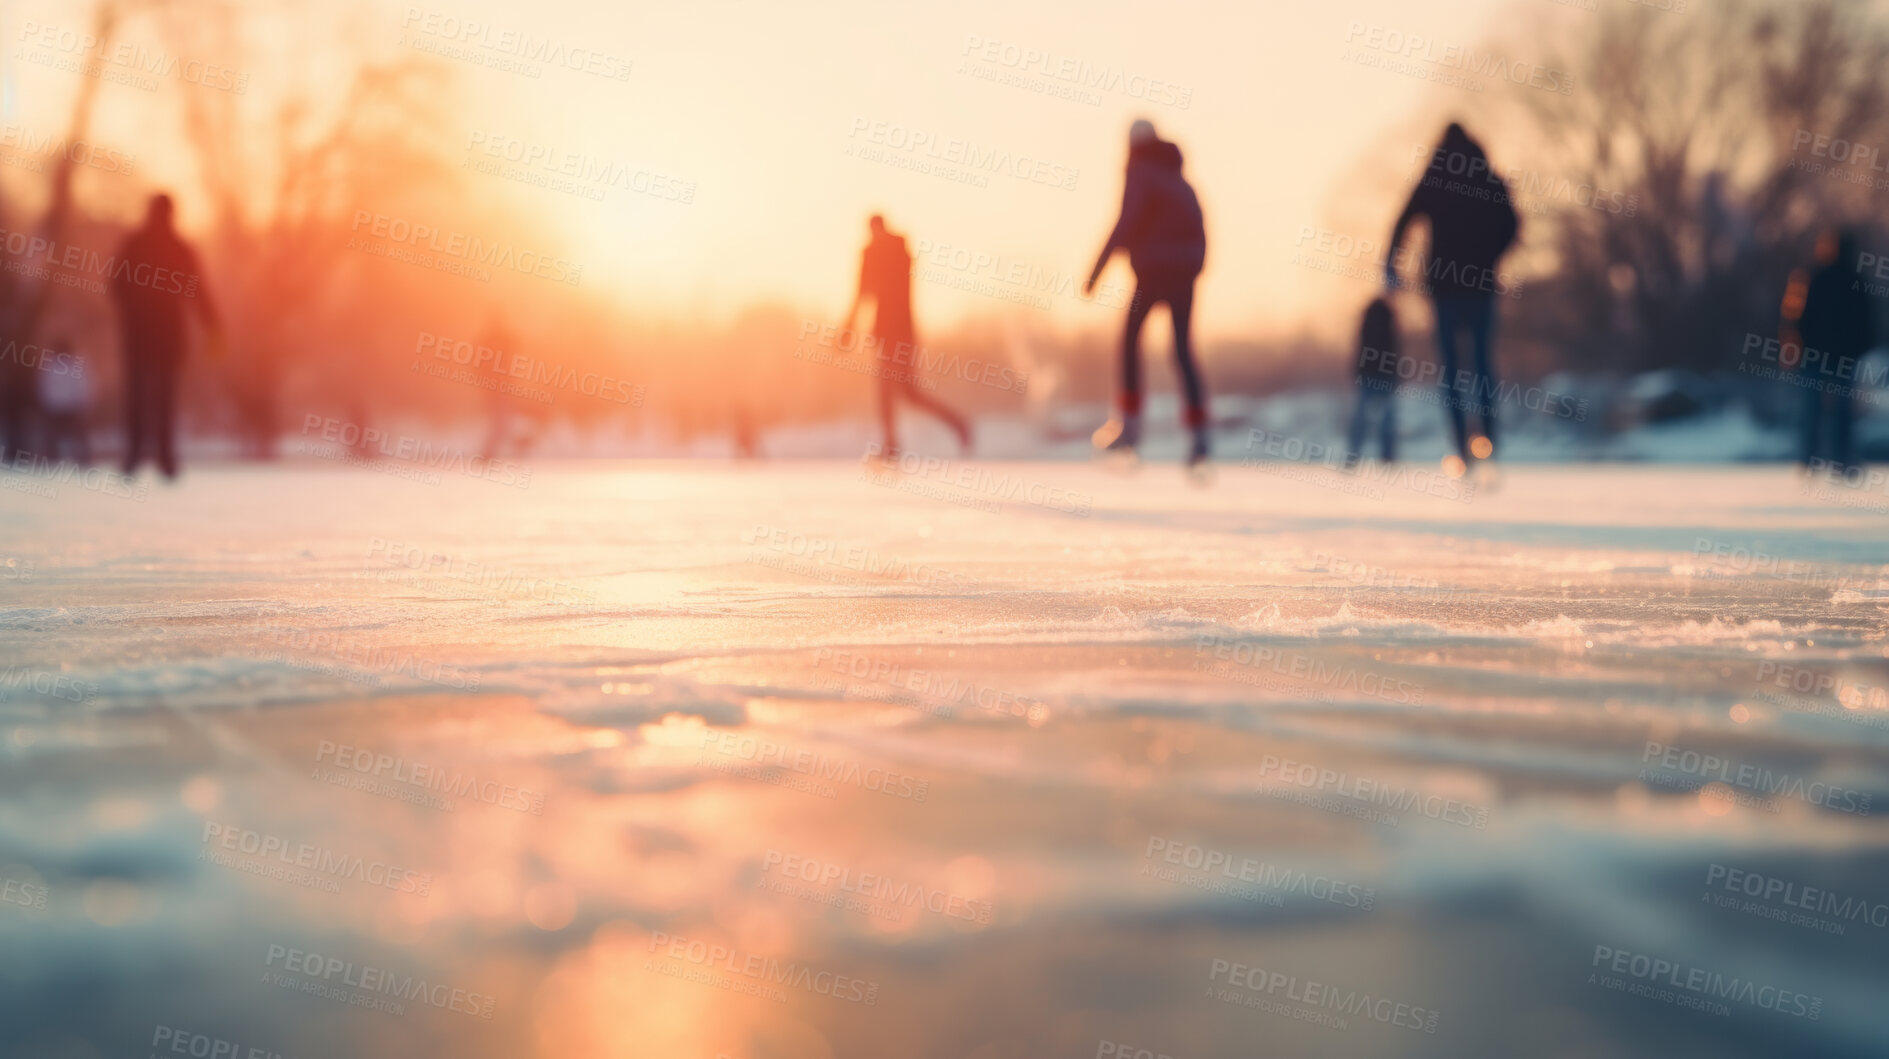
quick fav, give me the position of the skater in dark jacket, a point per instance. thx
(1834, 330)
(1162, 229)
(1472, 223)
(1377, 383)
(158, 284)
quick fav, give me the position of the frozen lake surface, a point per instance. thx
(975, 760)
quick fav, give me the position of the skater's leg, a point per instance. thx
(136, 387)
(1138, 307)
(1482, 332)
(1360, 417)
(921, 398)
(888, 411)
(163, 385)
(1180, 300)
(1448, 320)
(1387, 440)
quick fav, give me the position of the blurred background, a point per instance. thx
(670, 197)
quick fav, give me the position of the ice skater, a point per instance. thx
(1162, 228)
(1830, 314)
(158, 285)
(1377, 369)
(1472, 223)
(885, 276)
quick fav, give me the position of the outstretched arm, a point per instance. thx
(1411, 210)
(859, 295)
(1134, 200)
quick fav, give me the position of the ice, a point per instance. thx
(1014, 687)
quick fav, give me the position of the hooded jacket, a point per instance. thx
(1161, 225)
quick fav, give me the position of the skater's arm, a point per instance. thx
(859, 295)
(1134, 198)
(1412, 209)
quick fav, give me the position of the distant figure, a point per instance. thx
(19, 397)
(499, 349)
(1830, 314)
(747, 446)
(885, 276)
(1377, 383)
(65, 395)
(1472, 223)
(158, 281)
(1165, 235)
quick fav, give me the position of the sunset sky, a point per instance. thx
(758, 106)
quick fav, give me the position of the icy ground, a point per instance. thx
(974, 759)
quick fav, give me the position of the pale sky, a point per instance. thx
(757, 105)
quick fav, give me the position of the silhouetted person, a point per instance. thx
(1830, 313)
(1377, 383)
(498, 349)
(747, 445)
(65, 395)
(1472, 223)
(885, 276)
(155, 283)
(19, 399)
(1165, 235)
